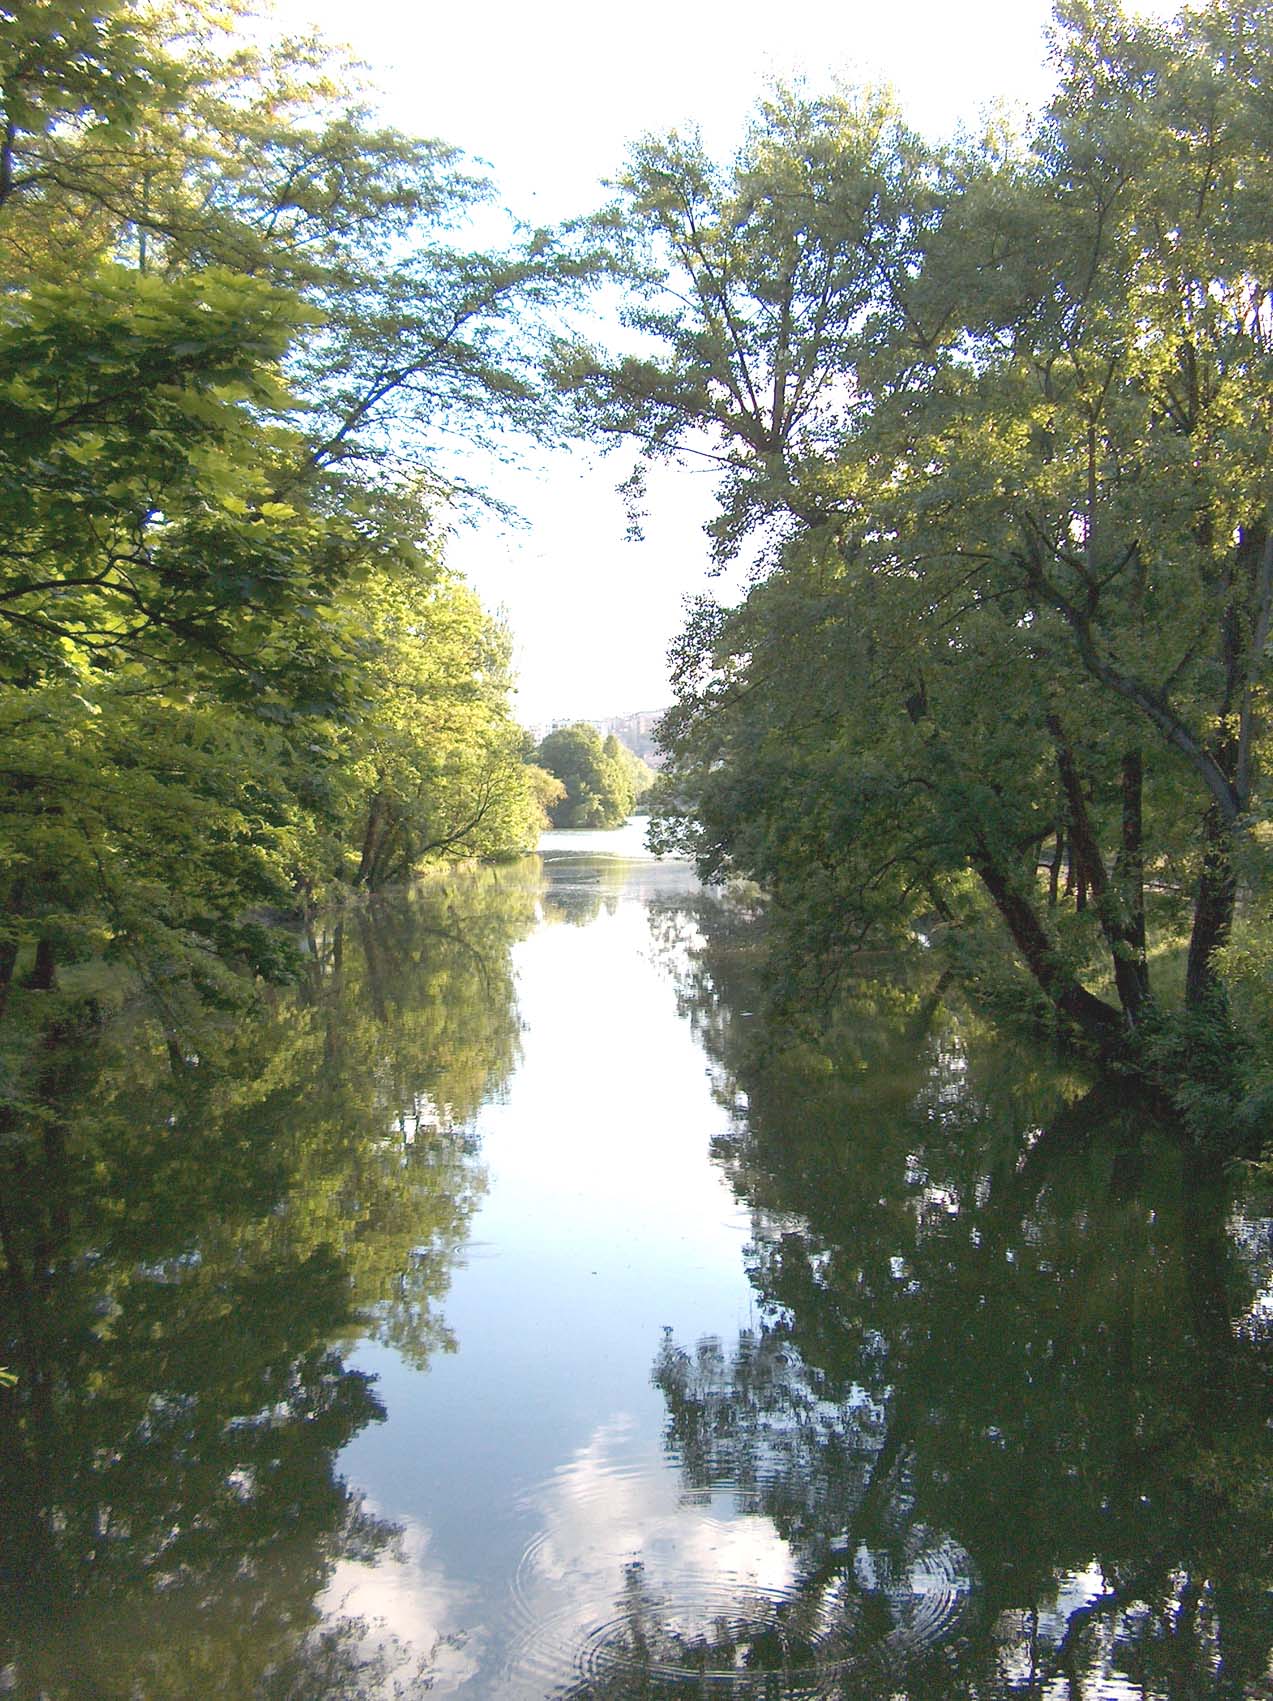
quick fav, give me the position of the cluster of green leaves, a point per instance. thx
(600, 781)
(995, 417)
(237, 334)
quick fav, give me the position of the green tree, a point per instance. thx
(599, 788)
(433, 763)
(999, 413)
(237, 338)
(641, 775)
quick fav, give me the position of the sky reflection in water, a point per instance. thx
(499, 1318)
(604, 1225)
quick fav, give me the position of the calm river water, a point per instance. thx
(508, 1315)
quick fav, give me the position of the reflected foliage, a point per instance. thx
(192, 1239)
(1008, 1402)
(577, 894)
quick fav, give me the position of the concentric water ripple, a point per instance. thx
(707, 1638)
(758, 1645)
(631, 1588)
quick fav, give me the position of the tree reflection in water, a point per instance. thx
(1006, 1321)
(188, 1245)
(579, 891)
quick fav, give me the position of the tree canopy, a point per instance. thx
(600, 777)
(239, 338)
(993, 418)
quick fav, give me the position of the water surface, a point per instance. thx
(514, 1313)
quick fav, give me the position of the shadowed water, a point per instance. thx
(512, 1312)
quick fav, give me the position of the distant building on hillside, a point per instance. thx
(635, 730)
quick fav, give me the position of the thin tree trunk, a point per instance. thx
(1124, 933)
(1216, 896)
(938, 902)
(371, 838)
(1129, 869)
(9, 948)
(8, 960)
(1054, 874)
(385, 860)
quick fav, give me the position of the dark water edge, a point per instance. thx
(507, 1314)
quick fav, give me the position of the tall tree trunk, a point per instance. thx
(1212, 911)
(1216, 896)
(43, 976)
(386, 861)
(1054, 873)
(8, 961)
(371, 837)
(1129, 868)
(9, 947)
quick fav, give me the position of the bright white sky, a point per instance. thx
(549, 95)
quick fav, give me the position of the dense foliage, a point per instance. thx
(601, 780)
(995, 418)
(236, 335)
